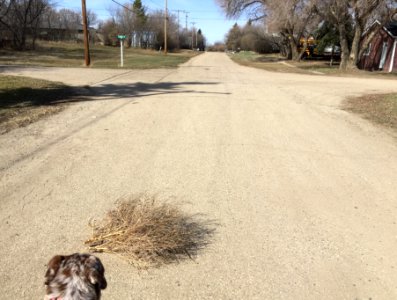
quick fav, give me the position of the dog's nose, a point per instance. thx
(103, 284)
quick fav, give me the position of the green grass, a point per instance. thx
(51, 54)
(24, 100)
(245, 56)
(318, 66)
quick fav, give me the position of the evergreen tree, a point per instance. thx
(139, 11)
(233, 38)
(200, 40)
(140, 20)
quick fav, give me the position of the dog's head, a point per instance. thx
(77, 276)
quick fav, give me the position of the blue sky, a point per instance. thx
(206, 13)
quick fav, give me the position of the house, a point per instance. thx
(143, 39)
(5, 37)
(381, 53)
(60, 32)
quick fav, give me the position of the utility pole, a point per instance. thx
(193, 29)
(196, 37)
(165, 28)
(85, 28)
(186, 15)
(179, 11)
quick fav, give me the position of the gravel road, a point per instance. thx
(304, 193)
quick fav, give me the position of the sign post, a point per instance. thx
(121, 38)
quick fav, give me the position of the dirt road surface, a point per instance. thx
(304, 192)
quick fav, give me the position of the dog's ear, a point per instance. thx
(95, 272)
(53, 267)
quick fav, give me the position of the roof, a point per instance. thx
(392, 28)
(59, 26)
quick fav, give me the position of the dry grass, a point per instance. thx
(381, 109)
(317, 67)
(150, 233)
(24, 100)
(21, 117)
(274, 63)
(64, 54)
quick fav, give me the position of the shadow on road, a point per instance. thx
(30, 96)
(139, 89)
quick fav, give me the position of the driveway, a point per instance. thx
(304, 193)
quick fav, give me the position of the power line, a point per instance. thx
(155, 3)
(211, 19)
(122, 5)
(186, 15)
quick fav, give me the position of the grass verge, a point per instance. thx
(24, 100)
(276, 63)
(52, 54)
(381, 109)
(148, 233)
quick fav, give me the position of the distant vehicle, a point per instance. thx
(311, 50)
(328, 51)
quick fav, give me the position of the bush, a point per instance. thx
(149, 233)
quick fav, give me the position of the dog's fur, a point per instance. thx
(75, 277)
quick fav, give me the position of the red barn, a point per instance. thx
(381, 54)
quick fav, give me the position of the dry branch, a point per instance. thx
(149, 233)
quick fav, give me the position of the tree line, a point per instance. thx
(338, 21)
(21, 19)
(251, 37)
(146, 30)
(22, 22)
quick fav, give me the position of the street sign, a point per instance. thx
(121, 37)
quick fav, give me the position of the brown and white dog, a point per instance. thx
(75, 277)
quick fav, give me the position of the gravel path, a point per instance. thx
(304, 192)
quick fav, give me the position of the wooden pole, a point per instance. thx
(193, 29)
(165, 28)
(86, 41)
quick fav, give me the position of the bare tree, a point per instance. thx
(255, 38)
(92, 18)
(234, 8)
(125, 19)
(133, 21)
(4, 9)
(155, 25)
(217, 47)
(293, 19)
(22, 19)
(357, 15)
(50, 18)
(108, 31)
(65, 23)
